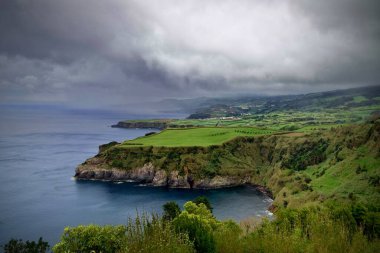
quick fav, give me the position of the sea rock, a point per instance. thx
(160, 178)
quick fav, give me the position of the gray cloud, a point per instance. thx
(118, 52)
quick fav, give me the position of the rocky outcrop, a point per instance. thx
(142, 124)
(96, 169)
(220, 181)
(160, 178)
(177, 181)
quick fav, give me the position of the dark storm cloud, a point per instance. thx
(114, 52)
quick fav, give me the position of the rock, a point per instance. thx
(119, 175)
(177, 181)
(144, 174)
(160, 178)
(219, 182)
(96, 168)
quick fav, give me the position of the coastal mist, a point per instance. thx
(39, 151)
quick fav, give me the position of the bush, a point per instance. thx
(310, 230)
(228, 238)
(198, 222)
(18, 246)
(92, 238)
(171, 210)
(198, 230)
(142, 234)
(153, 234)
(204, 200)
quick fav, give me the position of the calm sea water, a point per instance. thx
(39, 150)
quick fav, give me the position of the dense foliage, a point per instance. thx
(203, 200)
(311, 230)
(299, 168)
(92, 238)
(18, 246)
(143, 234)
(171, 210)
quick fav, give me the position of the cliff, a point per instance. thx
(291, 165)
(94, 169)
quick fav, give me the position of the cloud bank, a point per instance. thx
(116, 52)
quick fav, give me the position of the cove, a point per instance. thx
(39, 151)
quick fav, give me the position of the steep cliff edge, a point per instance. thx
(291, 165)
(157, 124)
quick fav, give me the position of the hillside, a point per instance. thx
(293, 112)
(337, 164)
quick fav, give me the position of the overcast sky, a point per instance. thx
(105, 53)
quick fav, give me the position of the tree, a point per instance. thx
(198, 222)
(171, 210)
(92, 238)
(204, 200)
(18, 246)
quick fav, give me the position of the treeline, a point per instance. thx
(195, 229)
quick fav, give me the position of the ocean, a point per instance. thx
(39, 150)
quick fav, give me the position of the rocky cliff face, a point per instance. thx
(95, 169)
(261, 160)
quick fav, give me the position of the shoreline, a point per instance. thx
(262, 189)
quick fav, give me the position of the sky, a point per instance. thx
(89, 53)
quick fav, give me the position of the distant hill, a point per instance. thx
(338, 99)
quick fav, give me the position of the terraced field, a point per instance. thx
(201, 136)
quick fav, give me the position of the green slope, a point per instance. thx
(204, 136)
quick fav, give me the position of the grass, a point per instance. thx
(358, 99)
(202, 136)
(299, 120)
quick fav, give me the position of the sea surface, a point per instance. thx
(39, 150)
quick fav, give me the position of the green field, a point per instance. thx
(202, 136)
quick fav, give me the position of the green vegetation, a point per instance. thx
(143, 234)
(171, 210)
(318, 154)
(203, 200)
(195, 229)
(194, 136)
(92, 238)
(339, 164)
(18, 246)
(302, 113)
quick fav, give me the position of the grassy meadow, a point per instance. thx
(201, 136)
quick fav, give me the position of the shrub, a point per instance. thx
(153, 234)
(18, 246)
(171, 210)
(228, 238)
(309, 230)
(198, 230)
(92, 238)
(198, 222)
(204, 200)
(143, 234)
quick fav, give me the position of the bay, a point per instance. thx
(39, 150)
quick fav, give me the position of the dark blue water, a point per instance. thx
(39, 150)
